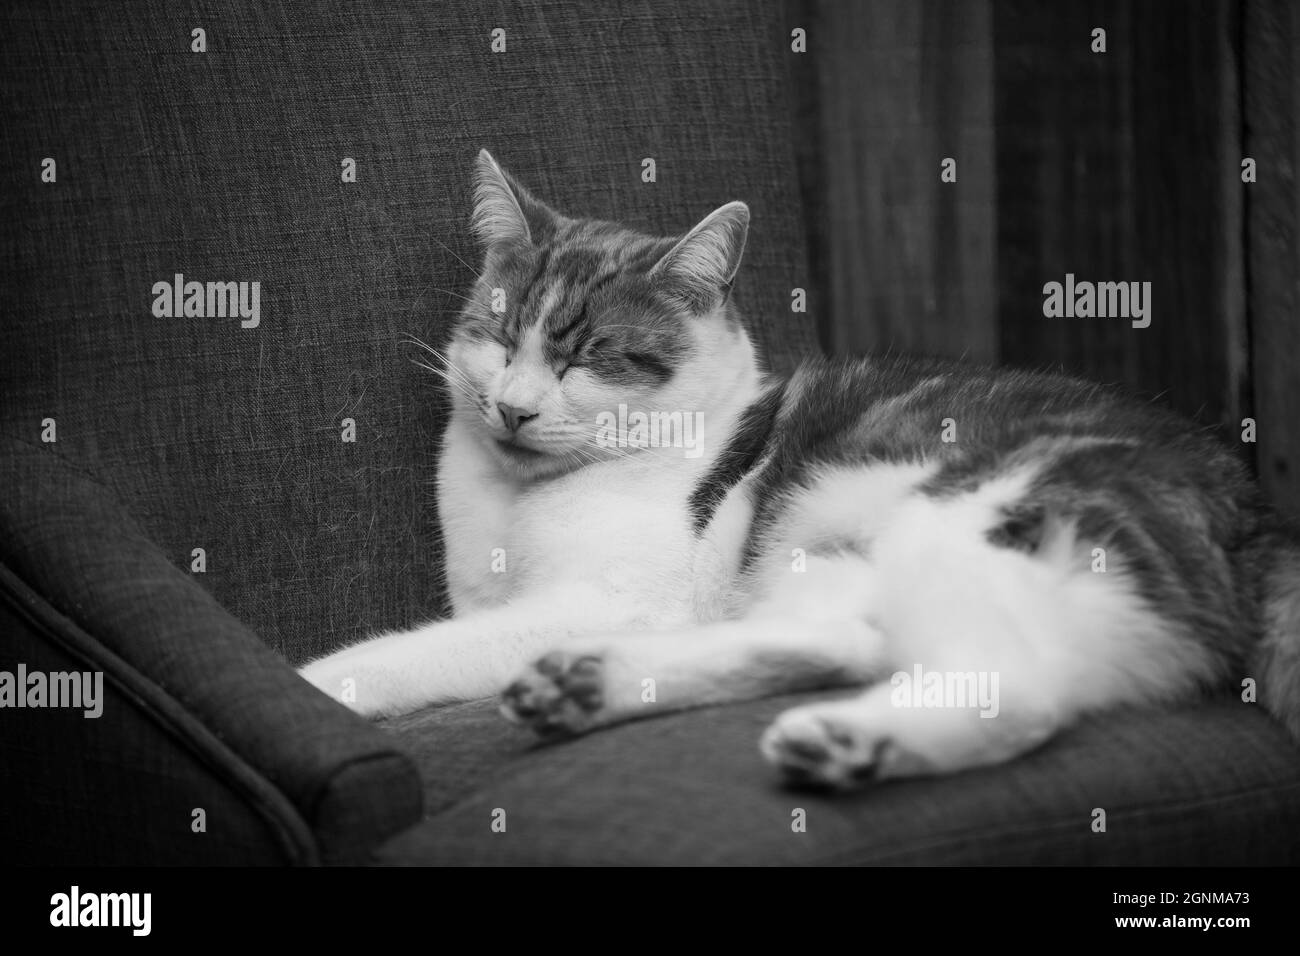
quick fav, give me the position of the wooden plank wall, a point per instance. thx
(1123, 165)
(1272, 138)
(904, 261)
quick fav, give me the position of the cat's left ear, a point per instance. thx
(701, 266)
(505, 212)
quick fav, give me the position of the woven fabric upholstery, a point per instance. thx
(199, 712)
(225, 166)
(1214, 784)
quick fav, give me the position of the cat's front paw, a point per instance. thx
(816, 746)
(350, 685)
(562, 693)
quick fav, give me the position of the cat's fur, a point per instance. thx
(1090, 551)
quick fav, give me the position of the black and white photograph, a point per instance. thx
(727, 433)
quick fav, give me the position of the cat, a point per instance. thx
(924, 530)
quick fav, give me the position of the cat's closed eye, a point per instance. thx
(582, 355)
(507, 342)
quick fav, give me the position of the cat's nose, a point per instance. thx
(513, 416)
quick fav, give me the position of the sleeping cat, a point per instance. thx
(987, 554)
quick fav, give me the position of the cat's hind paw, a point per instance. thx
(815, 746)
(561, 693)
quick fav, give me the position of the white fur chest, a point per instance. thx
(476, 505)
(622, 528)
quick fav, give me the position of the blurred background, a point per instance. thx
(1122, 165)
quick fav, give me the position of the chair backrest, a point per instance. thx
(227, 165)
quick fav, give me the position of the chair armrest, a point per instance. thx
(198, 713)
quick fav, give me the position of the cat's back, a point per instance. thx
(970, 418)
(948, 428)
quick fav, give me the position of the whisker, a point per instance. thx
(455, 294)
(448, 366)
(461, 386)
(453, 254)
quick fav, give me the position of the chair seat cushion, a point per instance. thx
(1217, 783)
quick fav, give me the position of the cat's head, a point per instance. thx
(572, 318)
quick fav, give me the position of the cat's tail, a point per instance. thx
(1276, 661)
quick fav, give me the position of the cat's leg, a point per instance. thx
(995, 647)
(459, 659)
(593, 681)
(810, 631)
(845, 743)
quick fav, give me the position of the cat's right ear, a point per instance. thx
(505, 212)
(701, 266)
